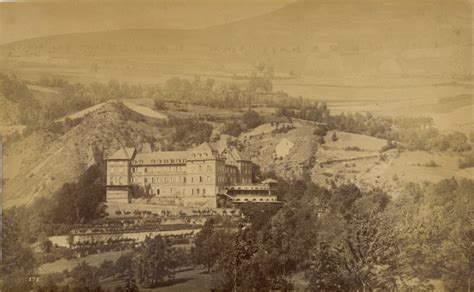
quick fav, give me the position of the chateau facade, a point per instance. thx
(196, 177)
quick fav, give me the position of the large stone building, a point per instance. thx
(198, 177)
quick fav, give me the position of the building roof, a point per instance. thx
(161, 157)
(203, 147)
(234, 155)
(203, 151)
(123, 154)
(238, 155)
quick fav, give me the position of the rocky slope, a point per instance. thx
(42, 162)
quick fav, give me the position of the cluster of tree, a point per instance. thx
(375, 126)
(77, 202)
(74, 203)
(138, 191)
(18, 262)
(418, 133)
(249, 120)
(347, 239)
(467, 160)
(435, 232)
(189, 131)
(16, 91)
(85, 277)
(206, 92)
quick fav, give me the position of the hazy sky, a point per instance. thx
(22, 20)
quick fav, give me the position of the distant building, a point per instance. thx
(196, 177)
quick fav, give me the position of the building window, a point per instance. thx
(184, 179)
(146, 170)
(200, 179)
(157, 191)
(153, 180)
(203, 191)
(197, 191)
(208, 179)
(145, 180)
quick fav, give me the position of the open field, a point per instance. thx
(144, 110)
(94, 260)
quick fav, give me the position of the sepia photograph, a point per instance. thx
(236, 145)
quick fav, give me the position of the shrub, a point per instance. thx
(467, 161)
(388, 146)
(430, 163)
(320, 131)
(232, 128)
(352, 148)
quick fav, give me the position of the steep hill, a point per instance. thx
(42, 162)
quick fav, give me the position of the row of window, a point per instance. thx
(162, 169)
(117, 181)
(193, 191)
(255, 200)
(199, 155)
(172, 179)
(161, 161)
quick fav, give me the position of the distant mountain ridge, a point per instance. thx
(353, 38)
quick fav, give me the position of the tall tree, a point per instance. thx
(155, 261)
